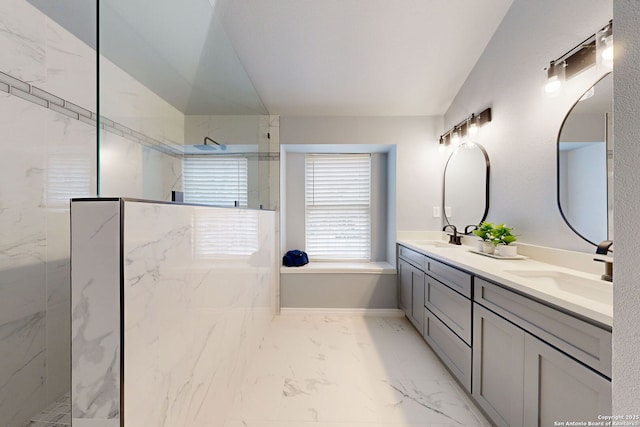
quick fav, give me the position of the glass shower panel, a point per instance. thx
(172, 88)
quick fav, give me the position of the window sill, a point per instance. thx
(341, 267)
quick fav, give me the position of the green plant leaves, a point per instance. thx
(496, 234)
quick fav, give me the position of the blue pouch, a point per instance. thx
(295, 258)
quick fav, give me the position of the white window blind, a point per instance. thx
(224, 233)
(68, 176)
(217, 181)
(338, 206)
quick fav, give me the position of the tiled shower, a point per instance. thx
(48, 139)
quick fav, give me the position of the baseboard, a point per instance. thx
(364, 312)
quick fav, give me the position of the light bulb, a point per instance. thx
(607, 53)
(553, 84)
(604, 46)
(554, 78)
(472, 126)
(455, 137)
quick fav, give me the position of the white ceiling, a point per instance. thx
(359, 57)
(304, 57)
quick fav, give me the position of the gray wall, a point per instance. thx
(626, 292)
(419, 163)
(338, 290)
(521, 139)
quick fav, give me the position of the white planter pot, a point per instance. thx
(487, 247)
(480, 245)
(507, 250)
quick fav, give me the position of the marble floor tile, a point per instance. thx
(348, 371)
(58, 414)
(330, 371)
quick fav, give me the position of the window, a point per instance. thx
(338, 206)
(218, 181)
(225, 233)
(68, 175)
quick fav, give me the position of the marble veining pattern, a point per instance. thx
(192, 318)
(45, 66)
(196, 306)
(320, 370)
(34, 253)
(406, 387)
(58, 414)
(95, 310)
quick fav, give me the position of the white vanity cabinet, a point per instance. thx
(411, 285)
(533, 364)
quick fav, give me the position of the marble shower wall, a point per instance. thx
(198, 290)
(47, 157)
(48, 144)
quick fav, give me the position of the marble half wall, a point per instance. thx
(169, 303)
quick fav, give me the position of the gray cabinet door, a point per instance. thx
(449, 347)
(417, 312)
(498, 367)
(404, 286)
(557, 388)
(452, 308)
(411, 292)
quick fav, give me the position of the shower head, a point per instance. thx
(210, 147)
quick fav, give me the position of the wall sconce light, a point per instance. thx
(555, 77)
(604, 45)
(468, 127)
(472, 126)
(595, 49)
(455, 136)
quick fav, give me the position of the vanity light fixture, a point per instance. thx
(595, 49)
(555, 77)
(604, 45)
(472, 126)
(455, 136)
(468, 127)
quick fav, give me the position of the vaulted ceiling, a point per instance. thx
(359, 57)
(303, 57)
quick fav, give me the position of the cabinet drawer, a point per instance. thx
(453, 352)
(586, 342)
(457, 280)
(413, 257)
(452, 308)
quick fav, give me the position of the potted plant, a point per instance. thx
(485, 233)
(503, 237)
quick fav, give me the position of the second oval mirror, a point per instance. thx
(466, 186)
(585, 164)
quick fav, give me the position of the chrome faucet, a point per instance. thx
(603, 249)
(454, 238)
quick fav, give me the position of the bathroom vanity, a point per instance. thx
(529, 341)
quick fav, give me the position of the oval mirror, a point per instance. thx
(466, 186)
(585, 164)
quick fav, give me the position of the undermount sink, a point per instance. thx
(592, 289)
(434, 243)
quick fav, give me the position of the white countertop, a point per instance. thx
(578, 292)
